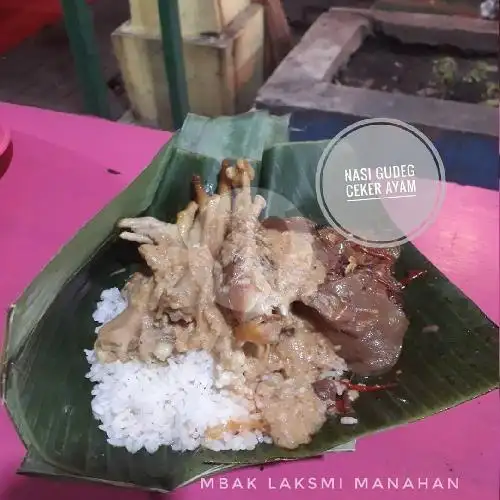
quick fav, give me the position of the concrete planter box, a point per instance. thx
(466, 135)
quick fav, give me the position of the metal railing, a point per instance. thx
(80, 29)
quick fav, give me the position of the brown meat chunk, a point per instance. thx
(134, 334)
(119, 339)
(243, 287)
(356, 313)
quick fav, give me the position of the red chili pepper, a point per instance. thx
(340, 405)
(412, 275)
(380, 253)
(368, 388)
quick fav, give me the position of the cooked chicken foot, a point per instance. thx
(118, 339)
(213, 217)
(242, 286)
(201, 195)
(186, 223)
(163, 247)
(290, 268)
(240, 175)
(224, 182)
(134, 334)
(147, 230)
(187, 293)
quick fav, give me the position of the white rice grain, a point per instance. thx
(348, 420)
(148, 406)
(112, 303)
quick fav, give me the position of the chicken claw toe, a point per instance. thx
(224, 184)
(201, 195)
(241, 175)
(185, 219)
(138, 238)
(146, 228)
(138, 223)
(259, 203)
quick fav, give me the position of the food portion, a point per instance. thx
(240, 331)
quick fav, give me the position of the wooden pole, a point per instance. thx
(174, 60)
(278, 36)
(79, 27)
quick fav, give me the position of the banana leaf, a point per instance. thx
(51, 324)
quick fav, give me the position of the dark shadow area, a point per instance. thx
(386, 64)
(40, 71)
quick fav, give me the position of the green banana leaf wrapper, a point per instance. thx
(44, 385)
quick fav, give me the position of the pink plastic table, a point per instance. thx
(63, 160)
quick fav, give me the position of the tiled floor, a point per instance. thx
(40, 71)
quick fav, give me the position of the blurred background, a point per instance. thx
(112, 63)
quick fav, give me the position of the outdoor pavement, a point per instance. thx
(40, 71)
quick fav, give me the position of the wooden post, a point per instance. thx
(78, 21)
(223, 73)
(196, 16)
(278, 37)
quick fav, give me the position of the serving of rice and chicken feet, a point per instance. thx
(239, 331)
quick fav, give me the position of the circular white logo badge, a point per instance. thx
(380, 182)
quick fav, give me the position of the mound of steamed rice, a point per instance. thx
(148, 406)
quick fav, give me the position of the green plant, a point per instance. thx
(445, 70)
(479, 72)
(492, 94)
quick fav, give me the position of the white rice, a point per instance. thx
(148, 406)
(348, 420)
(112, 303)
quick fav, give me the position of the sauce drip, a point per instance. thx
(412, 275)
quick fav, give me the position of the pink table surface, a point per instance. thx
(61, 159)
